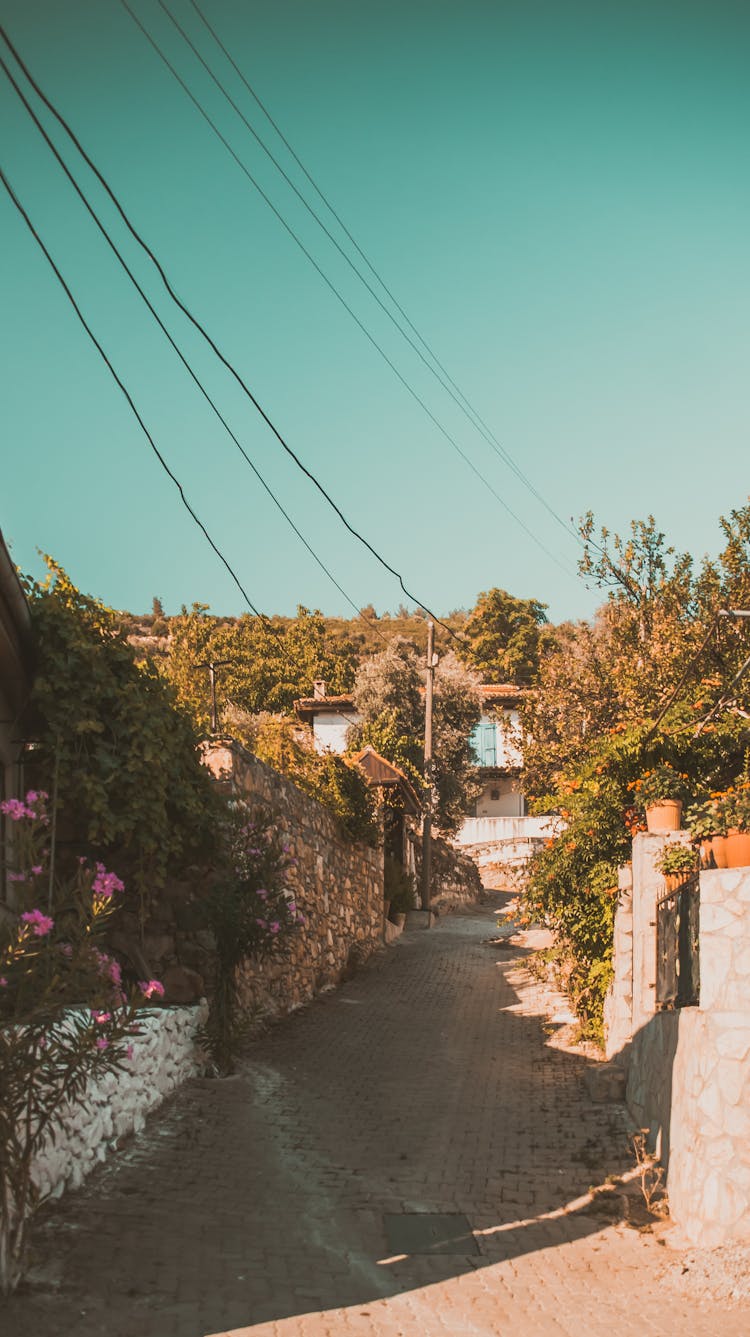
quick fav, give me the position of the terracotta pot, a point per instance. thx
(738, 849)
(674, 880)
(664, 816)
(719, 851)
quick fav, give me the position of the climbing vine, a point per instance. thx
(111, 742)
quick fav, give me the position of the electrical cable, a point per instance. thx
(447, 384)
(264, 620)
(131, 403)
(182, 358)
(200, 328)
(340, 298)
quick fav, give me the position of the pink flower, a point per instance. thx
(262, 923)
(292, 906)
(42, 923)
(3, 982)
(37, 870)
(110, 969)
(102, 1042)
(150, 987)
(106, 884)
(275, 926)
(16, 877)
(16, 809)
(101, 1017)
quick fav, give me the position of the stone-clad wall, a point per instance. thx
(338, 887)
(689, 1069)
(164, 1055)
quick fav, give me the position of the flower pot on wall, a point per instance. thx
(738, 849)
(664, 816)
(719, 850)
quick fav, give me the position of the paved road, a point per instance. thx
(427, 1084)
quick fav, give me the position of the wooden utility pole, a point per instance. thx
(432, 660)
(212, 665)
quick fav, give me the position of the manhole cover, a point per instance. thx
(427, 1232)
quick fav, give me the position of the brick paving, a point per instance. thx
(428, 1083)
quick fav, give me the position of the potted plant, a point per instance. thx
(738, 826)
(706, 823)
(676, 863)
(660, 792)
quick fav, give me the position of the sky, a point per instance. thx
(557, 194)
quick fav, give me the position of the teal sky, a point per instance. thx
(557, 193)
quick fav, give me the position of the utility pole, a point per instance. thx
(432, 660)
(212, 665)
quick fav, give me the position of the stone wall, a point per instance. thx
(618, 1004)
(164, 1055)
(688, 1071)
(455, 878)
(502, 847)
(338, 886)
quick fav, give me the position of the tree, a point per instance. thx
(503, 636)
(264, 666)
(113, 747)
(636, 687)
(388, 696)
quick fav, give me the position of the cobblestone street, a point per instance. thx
(427, 1084)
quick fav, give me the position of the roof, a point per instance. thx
(309, 706)
(379, 771)
(501, 691)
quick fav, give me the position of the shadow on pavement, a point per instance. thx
(264, 1196)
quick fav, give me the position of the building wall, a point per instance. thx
(330, 731)
(496, 742)
(164, 1055)
(688, 1070)
(501, 797)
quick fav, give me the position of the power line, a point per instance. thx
(448, 384)
(123, 388)
(340, 298)
(197, 324)
(178, 351)
(264, 620)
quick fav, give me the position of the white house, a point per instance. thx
(329, 717)
(497, 746)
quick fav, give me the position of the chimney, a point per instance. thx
(319, 689)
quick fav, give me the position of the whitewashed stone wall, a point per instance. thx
(618, 1004)
(689, 1069)
(709, 1164)
(164, 1055)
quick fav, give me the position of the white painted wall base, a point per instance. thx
(164, 1055)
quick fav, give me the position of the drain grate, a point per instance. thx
(428, 1232)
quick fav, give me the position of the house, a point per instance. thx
(329, 717)
(402, 808)
(496, 741)
(496, 745)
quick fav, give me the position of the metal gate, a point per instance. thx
(677, 945)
